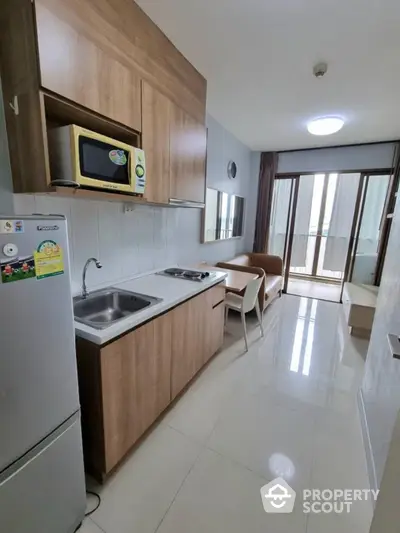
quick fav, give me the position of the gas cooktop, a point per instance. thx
(191, 275)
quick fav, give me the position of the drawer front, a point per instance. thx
(216, 295)
(218, 319)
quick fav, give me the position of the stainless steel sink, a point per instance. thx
(104, 308)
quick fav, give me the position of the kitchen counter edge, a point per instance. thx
(175, 292)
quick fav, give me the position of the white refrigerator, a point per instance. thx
(42, 484)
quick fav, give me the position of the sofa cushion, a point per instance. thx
(273, 284)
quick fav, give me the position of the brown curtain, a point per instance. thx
(268, 169)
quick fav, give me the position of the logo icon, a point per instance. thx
(118, 157)
(278, 497)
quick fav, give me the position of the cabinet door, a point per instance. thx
(135, 375)
(188, 342)
(155, 142)
(188, 157)
(27, 142)
(214, 318)
(73, 66)
(216, 324)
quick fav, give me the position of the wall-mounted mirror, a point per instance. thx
(223, 216)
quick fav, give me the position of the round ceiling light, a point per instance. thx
(325, 125)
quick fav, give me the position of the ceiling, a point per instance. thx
(258, 58)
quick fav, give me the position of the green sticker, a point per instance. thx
(18, 269)
(118, 157)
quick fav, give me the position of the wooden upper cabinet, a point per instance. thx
(74, 66)
(27, 141)
(156, 110)
(188, 157)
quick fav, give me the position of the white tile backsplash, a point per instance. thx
(128, 243)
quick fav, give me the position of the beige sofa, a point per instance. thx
(270, 265)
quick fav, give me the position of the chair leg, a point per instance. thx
(226, 314)
(259, 316)
(244, 330)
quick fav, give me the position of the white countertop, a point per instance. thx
(172, 291)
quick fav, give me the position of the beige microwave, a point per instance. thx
(84, 158)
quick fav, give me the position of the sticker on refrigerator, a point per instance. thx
(11, 226)
(48, 260)
(18, 269)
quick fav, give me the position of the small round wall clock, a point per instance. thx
(232, 170)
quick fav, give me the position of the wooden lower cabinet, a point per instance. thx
(188, 342)
(197, 334)
(125, 385)
(123, 388)
(215, 334)
(135, 379)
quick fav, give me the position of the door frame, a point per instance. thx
(291, 220)
(318, 238)
(355, 227)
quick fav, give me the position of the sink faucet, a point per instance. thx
(98, 265)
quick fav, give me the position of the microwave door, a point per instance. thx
(104, 163)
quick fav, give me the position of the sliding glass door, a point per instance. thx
(328, 228)
(282, 220)
(311, 228)
(368, 223)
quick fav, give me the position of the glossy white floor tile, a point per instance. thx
(139, 495)
(286, 408)
(221, 495)
(89, 526)
(314, 289)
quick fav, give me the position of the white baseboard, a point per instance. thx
(367, 443)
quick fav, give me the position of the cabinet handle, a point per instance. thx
(14, 105)
(186, 203)
(394, 345)
(219, 303)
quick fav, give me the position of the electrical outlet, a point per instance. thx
(128, 208)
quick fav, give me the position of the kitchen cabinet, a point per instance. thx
(188, 157)
(87, 74)
(215, 321)
(27, 140)
(122, 30)
(188, 342)
(155, 142)
(91, 62)
(197, 334)
(125, 385)
(136, 381)
(175, 147)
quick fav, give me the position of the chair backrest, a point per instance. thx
(251, 293)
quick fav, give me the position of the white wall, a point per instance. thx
(6, 204)
(148, 237)
(363, 157)
(381, 385)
